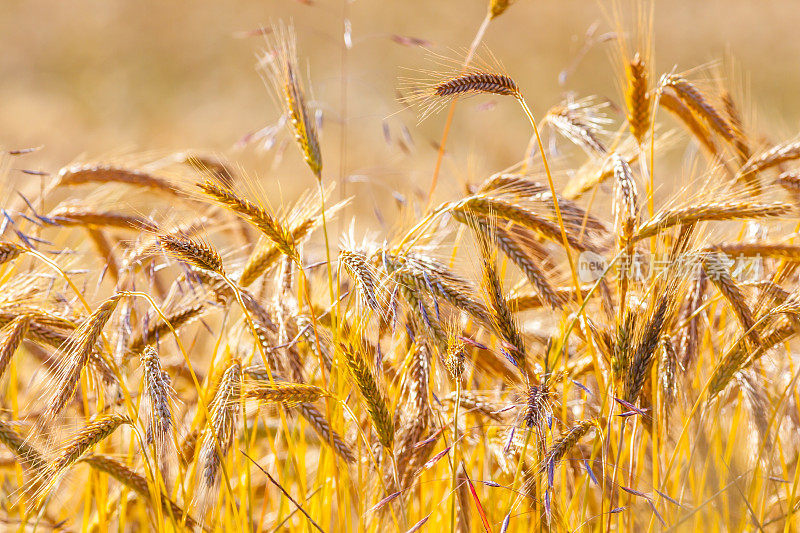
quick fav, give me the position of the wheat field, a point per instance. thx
(597, 336)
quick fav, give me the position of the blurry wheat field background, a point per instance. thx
(237, 340)
(101, 78)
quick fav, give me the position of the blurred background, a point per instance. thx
(99, 79)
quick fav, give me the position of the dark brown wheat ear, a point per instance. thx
(477, 82)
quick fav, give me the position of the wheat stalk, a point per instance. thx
(192, 251)
(477, 82)
(357, 267)
(30, 456)
(79, 216)
(158, 393)
(717, 271)
(177, 319)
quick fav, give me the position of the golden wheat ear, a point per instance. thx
(280, 65)
(156, 410)
(192, 251)
(77, 352)
(376, 402)
(638, 102)
(256, 215)
(221, 431)
(96, 430)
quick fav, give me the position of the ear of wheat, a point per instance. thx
(637, 97)
(694, 99)
(281, 64)
(477, 82)
(222, 427)
(77, 353)
(157, 406)
(96, 430)
(375, 400)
